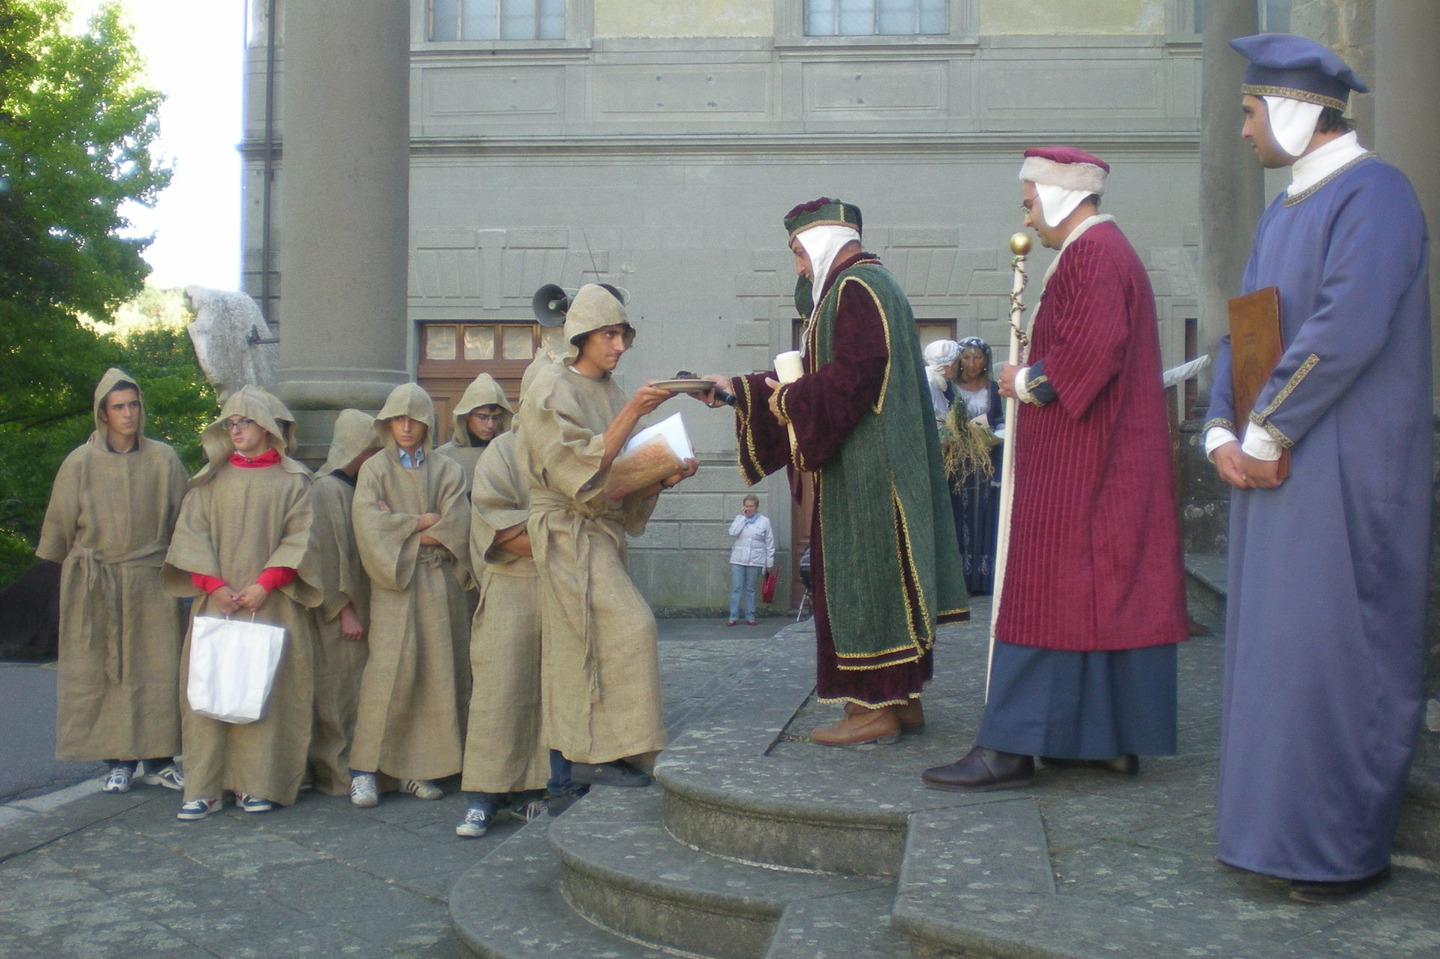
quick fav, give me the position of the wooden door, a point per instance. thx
(453, 354)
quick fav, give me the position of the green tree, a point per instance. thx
(76, 131)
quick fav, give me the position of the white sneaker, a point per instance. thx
(118, 780)
(363, 790)
(422, 789)
(194, 809)
(169, 775)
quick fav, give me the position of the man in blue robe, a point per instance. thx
(1327, 579)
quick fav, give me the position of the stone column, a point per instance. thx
(344, 220)
(1232, 182)
(1408, 135)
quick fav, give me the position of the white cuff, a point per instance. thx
(1216, 437)
(1260, 444)
(1022, 388)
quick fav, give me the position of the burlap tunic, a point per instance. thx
(235, 523)
(482, 391)
(339, 662)
(600, 664)
(505, 750)
(417, 681)
(108, 525)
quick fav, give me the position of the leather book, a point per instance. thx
(1256, 345)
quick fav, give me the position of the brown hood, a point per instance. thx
(593, 308)
(407, 399)
(250, 402)
(482, 391)
(108, 382)
(354, 434)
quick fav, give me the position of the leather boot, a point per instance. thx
(865, 726)
(981, 770)
(910, 714)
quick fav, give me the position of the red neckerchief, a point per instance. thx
(268, 458)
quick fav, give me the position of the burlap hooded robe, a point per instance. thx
(108, 525)
(482, 391)
(505, 749)
(417, 676)
(235, 523)
(339, 662)
(601, 669)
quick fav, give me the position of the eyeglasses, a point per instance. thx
(238, 423)
(489, 417)
(1025, 205)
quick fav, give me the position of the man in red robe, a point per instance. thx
(1093, 599)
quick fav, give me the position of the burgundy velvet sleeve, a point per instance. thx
(1092, 326)
(826, 405)
(764, 444)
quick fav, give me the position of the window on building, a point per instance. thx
(453, 354)
(863, 18)
(497, 19)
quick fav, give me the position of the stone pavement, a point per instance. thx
(84, 874)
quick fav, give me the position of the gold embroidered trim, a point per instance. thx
(852, 699)
(797, 459)
(874, 655)
(1310, 190)
(1267, 90)
(879, 403)
(1274, 432)
(1218, 421)
(962, 611)
(885, 665)
(749, 435)
(1295, 379)
(906, 558)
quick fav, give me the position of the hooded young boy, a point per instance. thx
(240, 547)
(344, 610)
(482, 414)
(412, 527)
(111, 513)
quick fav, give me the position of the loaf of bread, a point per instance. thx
(640, 467)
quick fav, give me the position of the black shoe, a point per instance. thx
(557, 804)
(1328, 892)
(1126, 765)
(616, 773)
(982, 769)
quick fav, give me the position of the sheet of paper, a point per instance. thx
(672, 429)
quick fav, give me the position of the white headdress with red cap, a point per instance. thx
(1063, 177)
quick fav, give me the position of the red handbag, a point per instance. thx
(767, 588)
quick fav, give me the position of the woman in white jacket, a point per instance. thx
(754, 551)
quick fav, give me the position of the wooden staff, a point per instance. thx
(1019, 342)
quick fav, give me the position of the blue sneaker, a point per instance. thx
(194, 809)
(254, 804)
(475, 824)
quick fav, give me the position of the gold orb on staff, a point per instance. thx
(1020, 243)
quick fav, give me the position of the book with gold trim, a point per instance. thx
(1256, 345)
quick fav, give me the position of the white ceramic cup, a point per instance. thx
(789, 366)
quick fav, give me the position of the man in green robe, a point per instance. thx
(860, 425)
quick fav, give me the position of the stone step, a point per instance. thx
(623, 871)
(511, 906)
(847, 926)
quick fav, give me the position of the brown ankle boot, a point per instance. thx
(863, 726)
(911, 714)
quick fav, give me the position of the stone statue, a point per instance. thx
(224, 333)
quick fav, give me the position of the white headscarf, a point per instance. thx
(1292, 122)
(821, 243)
(941, 354)
(1056, 202)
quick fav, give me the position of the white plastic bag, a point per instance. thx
(232, 667)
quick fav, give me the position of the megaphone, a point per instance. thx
(551, 302)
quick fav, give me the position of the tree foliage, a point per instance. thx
(77, 129)
(76, 132)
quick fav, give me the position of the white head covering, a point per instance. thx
(1063, 178)
(941, 354)
(1292, 122)
(821, 243)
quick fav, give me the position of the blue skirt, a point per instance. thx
(1046, 702)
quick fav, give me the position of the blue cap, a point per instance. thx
(1282, 65)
